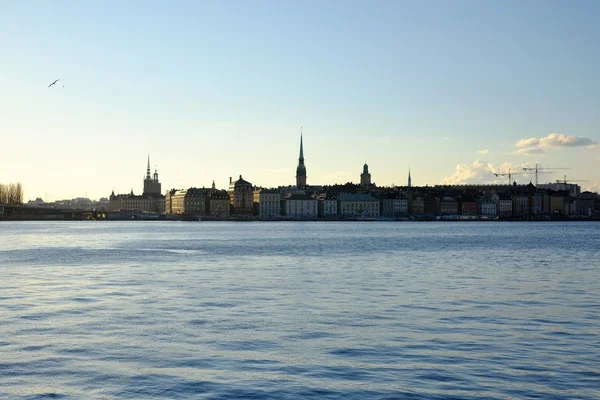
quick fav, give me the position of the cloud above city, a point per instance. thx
(529, 151)
(556, 141)
(479, 171)
(483, 151)
(482, 172)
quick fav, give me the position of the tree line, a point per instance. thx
(11, 193)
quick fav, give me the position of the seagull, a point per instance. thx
(53, 82)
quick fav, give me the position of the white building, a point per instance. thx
(488, 207)
(301, 206)
(328, 207)
(269, 203)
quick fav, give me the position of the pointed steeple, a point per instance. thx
(301, 159)
(301, 170)
(409, 180)
(148, 168)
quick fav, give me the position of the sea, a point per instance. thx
(299, 310)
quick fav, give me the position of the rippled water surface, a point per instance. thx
(299, 310)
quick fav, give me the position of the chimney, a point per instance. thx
(230, 180)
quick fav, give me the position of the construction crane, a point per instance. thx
(567, 181)
(539, 169)
(509, 174)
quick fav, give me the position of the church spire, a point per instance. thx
(148, 168)
(301, 159)
(301, 170)
(409, 180)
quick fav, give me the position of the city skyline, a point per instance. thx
(223, 89)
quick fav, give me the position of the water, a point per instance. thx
(299, 310)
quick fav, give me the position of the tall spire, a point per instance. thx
(301, 170)
(148, 168)
(301, 159)
(409, 180)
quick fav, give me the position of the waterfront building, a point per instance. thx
(365, 177)
(520, 204)
(301, 206)
(168, 197)
(504, 205)
(560, 203)
(468, 207)
(417, 205)
(431, 205)
(394, 205)
(301, 169)
(540, 203)
(328, 206)
(241, 196)
(487, 206)
(218, 204)
(448, 206)
(195, 201)
(150, 204)
(585, 203)
(178, 202)
(269, 203)
(151, 201)
(573, 189)
(358, 205)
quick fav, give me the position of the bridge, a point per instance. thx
(9, 212)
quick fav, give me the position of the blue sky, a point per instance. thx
(219, 89)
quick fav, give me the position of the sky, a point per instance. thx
(457, 90)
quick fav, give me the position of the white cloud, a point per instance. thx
(483, 151)
(483, 172)
(557, 141)
(530, 151)
(479, 171)
(594, 187)
(528, 142)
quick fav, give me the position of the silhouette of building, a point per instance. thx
(409, 179)
(151, 199)
(301, 170)
(241, 196)
(365, 177)
(151, 184)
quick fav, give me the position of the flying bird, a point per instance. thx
(53, 83)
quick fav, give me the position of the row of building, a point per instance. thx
(354, 201)
(366, 200)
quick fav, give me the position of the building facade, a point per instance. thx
(218, 204)
(301, 206)
(241, 196)
(448, 206)
(269, 203)
(328, 207)
(358, 205)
